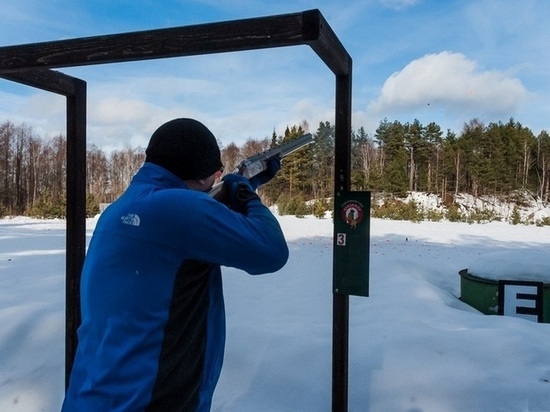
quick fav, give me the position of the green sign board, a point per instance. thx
(351, 243)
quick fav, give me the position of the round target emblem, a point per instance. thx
(352, 213)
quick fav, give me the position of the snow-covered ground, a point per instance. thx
(414, 346)
(530, 209)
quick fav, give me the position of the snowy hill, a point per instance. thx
(518, 208)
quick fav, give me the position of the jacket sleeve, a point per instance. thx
(207, 230)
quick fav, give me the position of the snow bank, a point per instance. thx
(518, 264)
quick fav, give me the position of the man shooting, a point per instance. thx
(153, 323)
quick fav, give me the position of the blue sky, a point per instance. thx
(432, 60)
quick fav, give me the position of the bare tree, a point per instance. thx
(123, 165)
(97, 180)
(231, 155)
(7, 132)
(254, 146)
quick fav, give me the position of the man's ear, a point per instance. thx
(198, 184)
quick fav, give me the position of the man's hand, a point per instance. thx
(238, 192)
(272, 167)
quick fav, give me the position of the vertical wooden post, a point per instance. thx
(342, 170)
(76, 217)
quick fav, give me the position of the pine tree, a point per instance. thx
(297, 167)
(322, 152)
(295, 178)
(433, 139)
(449, 172)
(391, 138)
(363, 161)
(543, 165)
(413, 140)
(472, 156)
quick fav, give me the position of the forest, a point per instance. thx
(497, 159)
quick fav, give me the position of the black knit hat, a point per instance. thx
(186, 148)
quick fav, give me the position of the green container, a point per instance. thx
(482, 294)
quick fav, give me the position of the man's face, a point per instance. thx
(209, 182)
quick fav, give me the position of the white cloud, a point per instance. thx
(113, 110)
(451, 83)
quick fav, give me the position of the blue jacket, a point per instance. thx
(153, 322)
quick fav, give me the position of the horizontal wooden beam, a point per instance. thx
(45, 79)
(308, 27)
(326, 44)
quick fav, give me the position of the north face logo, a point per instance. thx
(130, 219)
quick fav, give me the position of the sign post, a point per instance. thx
(351, 243)
(350, 277)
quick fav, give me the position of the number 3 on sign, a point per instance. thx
(341, 239)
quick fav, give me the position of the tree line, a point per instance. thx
(33, 173)
(495, 159)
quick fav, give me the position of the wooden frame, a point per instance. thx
(32, 64)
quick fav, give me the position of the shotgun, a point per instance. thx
(256, 164)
